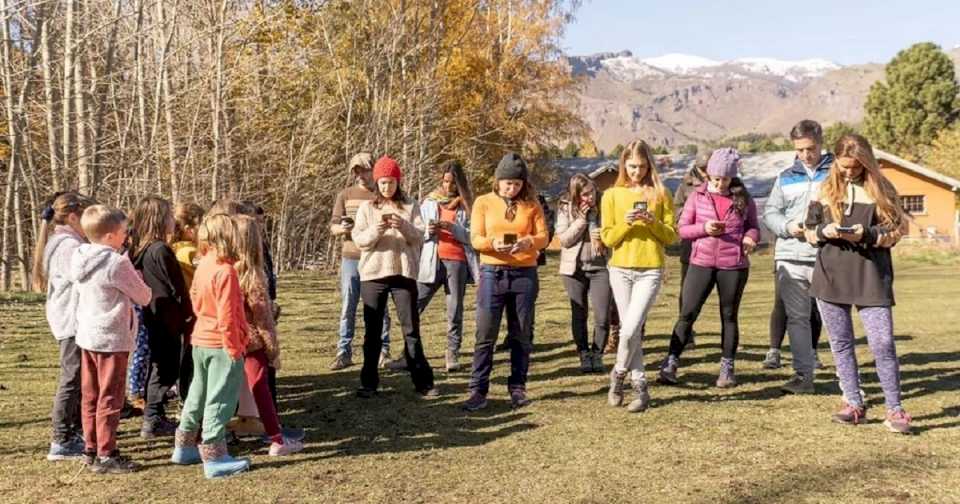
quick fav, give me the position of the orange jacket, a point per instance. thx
(218, 305)
(488, 222)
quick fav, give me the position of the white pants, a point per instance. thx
(635, 291)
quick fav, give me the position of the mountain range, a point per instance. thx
(679, 99)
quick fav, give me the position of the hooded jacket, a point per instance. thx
(788, 202)
(107, 286)
(61, 306)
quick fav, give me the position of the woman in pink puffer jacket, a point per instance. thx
(720, 218)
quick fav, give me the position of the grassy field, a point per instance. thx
(696, 443)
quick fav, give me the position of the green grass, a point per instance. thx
(696, 444)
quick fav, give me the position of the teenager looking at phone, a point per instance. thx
(636, 239)
(447, 259)
(794, 257)
(389, 234)
(856, 221)
(583, 269)
(342, 223)
(508, 274)
(720, 219)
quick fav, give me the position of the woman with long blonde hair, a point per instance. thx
(856, 221)
(637, 223)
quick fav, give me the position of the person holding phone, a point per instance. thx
(856, 220)
(720, 219)
(583, 269)
(342, 224)
(389, 233)
(636, 235)
(447, 259)
(508, 230)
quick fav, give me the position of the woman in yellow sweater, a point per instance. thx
(507, 230)
(637, 222)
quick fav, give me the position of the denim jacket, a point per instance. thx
(429, 263)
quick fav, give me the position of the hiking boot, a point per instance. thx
(727, 378)
(217, 462)
(668, 371)
(288, 447)
(430, 393)
(586, 361)
(342, 361)
(64, 451)
(476, 402)
(597, 361)
(366, 393)
(817, 363)
(185, 450)
(613, 341)
(641, 398)
(615, 394)
(850, 415)
(518, 398)
(452, 360)
(898, 421)
(114, 464)
(161, 427)
(772, 360)
(799, 384)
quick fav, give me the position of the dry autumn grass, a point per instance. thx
(696, 444)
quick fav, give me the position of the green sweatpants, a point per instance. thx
(213, 394)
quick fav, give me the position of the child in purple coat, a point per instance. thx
(720, 219)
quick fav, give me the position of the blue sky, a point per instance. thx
(843, 31)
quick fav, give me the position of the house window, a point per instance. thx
(914, 204)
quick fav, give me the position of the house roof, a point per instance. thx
(950, 182)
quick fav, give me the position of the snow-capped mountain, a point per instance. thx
(625, 66)
(681, 63)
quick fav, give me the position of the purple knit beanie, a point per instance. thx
(724, 162)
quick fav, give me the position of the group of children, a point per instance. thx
(190, 295)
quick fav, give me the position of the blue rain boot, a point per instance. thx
(185, 451)
(217, 462)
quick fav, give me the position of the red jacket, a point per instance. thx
(721, 252)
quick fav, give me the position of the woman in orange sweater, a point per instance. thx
(219, 339)
(507, 230)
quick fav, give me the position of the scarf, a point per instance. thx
(447, 202)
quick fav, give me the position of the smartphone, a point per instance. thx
(846, 229)
(386, 218)
(509, 239)
(722, 225)
(640, 205)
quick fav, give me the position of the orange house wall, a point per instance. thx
(941, 204)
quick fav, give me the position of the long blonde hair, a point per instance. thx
(249, 263)
(638, 149)
(218, 235)
(884, 194)
(64, 205)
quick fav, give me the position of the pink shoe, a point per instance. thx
(898, 421)
(289, 447)
(850, 415)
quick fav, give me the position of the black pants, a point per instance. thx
(697, 287)
(778, 323)
(404, 292)
(66, 402)
(583, 288)
(186, 364)
(164, 370)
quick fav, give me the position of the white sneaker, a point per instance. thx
(384, 359)
(289, 447)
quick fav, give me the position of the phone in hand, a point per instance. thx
(640, 206)
(386, 218)
(509, 239)
(721, 225)
(847, 229)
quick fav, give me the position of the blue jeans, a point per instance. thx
(350, 291)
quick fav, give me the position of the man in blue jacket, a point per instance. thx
(795, 258)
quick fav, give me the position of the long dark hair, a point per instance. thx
(454, 168)
(740, 195)
(149, 223)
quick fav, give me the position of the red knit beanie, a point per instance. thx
(386, 167)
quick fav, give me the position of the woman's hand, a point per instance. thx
(888, 240)
(714, 228)
(396, 221)
(856, 236)
(523, 244)
(501, 247)
(830, 231)
(382, 226)
(584, 208)
(748, 245)
(597, 247)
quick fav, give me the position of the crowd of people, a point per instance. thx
(180, 302)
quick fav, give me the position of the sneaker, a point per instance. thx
(668, 371)
(898, 421)
(518, 398)
(772, 360)
(294, 433)
(64, 451)
(799, 384)
(88, 458)
(597, 362)
(727, 378)
(342, 361)
(161, 427)
(384, 359)
(430, 393)
(641, 398)
(476, 402)
(452, 360)
(586, 361)
(114, 464)
(289, 447)
(615, 394)
(817, 363)
(850, 415)
(366, 393)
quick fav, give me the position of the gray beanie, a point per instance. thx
(511, 166)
